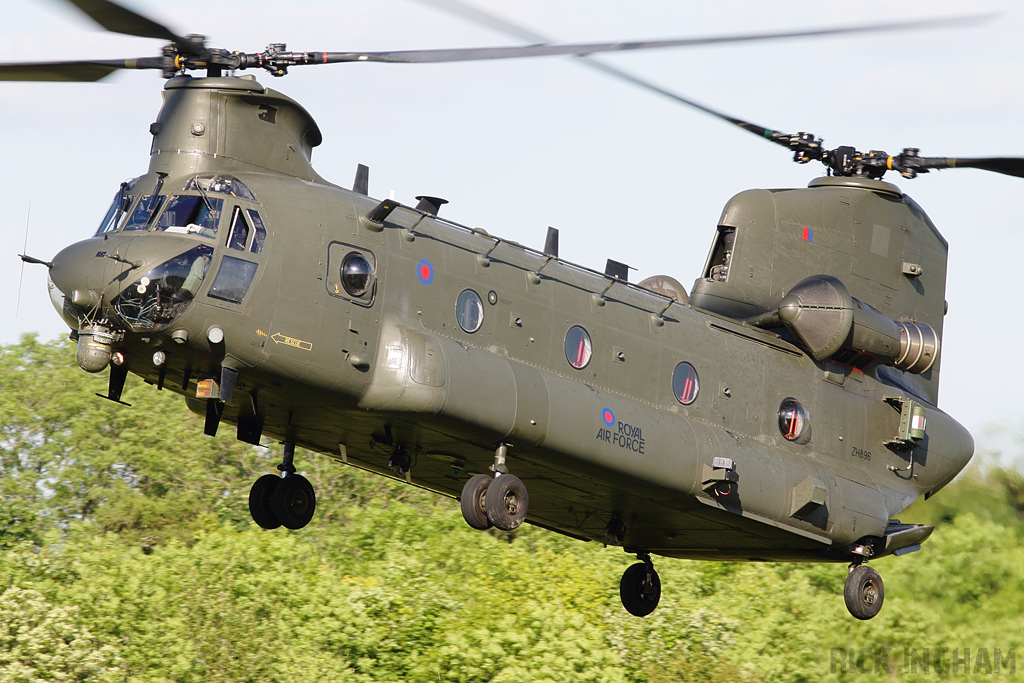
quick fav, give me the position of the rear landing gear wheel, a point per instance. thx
(864, 592)
(294, 501)
(473, 501)
(260, 506)
(507, 502)
(640, 589)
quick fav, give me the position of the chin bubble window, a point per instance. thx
(794, 422)
(156, 299)
(578, 347)
(469, 311)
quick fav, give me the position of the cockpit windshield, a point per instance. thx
(143, 213)
(188, 214)
(191, 214)
(123, 199)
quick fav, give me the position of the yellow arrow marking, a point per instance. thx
(291, 341)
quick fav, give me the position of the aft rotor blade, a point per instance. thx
(120, 19)
(484, 18)
(1013, 166)
(760, 131)
(75, 71)
(548, 50)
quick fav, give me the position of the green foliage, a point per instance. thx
(128, 555)
(40, 641)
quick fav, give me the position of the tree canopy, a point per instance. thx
(127, 554)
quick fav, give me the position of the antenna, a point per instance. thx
(24, 250)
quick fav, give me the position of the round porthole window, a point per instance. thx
(357, 274)
(794, 422)
(578, 348)
(469, 311)
(685, 383)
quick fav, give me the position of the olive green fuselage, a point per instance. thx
(359, 377)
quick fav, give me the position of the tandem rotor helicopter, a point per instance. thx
(785, 408)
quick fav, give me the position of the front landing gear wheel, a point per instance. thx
(473, 501)
(640, 589)
(507, 502)
(260, 506)
(864, 592)
(294, 501)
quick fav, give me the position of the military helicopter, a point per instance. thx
(785, 409)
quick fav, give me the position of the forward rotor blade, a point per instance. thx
(120, 19)
(546, 50)
(74, 71)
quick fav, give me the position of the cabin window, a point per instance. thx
(356, 274)
(233, 279)
(351, 273)
(578, 347)
(794, 422)
(188, 214)
(469, 311)
(685, 383)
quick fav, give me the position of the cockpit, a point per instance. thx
(161, 295)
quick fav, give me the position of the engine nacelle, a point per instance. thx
(824, 317)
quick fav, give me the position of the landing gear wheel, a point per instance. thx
(864, 592)
(260, 501)
(473, 501)
(640, 589)
(506, 502)
(294, 501)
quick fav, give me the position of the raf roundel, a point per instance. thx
(425, 271)
(608, 417)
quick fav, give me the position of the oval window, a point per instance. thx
(469, 310)
(794, 422)
(357, 274)
(685, 383)
(578, 349)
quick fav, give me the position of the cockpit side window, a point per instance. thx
(239, 231)
(191, 214)
(261, 232)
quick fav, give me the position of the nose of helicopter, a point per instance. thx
(84, 271)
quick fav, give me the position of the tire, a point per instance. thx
(473, 501)
(260, 506)
(507, 502)
(294, 501)
(864, 592)
(639, 596)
